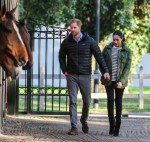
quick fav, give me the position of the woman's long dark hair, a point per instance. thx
(119, 33)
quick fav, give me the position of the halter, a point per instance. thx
(2, 27)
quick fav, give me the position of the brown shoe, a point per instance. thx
(73, 131)
(85, 127)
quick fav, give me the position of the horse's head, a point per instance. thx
(14, 43)
(11, 71)
(26, 39)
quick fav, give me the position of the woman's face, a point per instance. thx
(117, 40)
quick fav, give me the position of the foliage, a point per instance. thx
(112, 15)
(46, 12)
(138, 35)
(132, 17)
(56, 12)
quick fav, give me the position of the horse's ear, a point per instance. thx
(25, 21)
(2, 13)
(13, 10)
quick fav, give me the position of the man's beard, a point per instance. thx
(75, 33)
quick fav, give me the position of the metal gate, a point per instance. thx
(42, 90)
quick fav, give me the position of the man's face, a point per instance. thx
(75, 29)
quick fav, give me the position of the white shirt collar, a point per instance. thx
(80, 37)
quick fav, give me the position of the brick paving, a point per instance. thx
(54, 129)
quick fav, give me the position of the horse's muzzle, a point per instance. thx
(20, 62)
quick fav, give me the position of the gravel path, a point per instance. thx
(54, 129)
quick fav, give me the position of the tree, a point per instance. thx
(55, 12)
(46, 12)
(138, 34)
(112, 15)
(132, 17)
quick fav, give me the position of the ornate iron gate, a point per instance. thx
(42, 90)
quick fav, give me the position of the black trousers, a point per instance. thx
(114, 95)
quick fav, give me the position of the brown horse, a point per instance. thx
(26, 39)
(14, 43)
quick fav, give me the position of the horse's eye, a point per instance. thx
(8, 30)
(5, 29)
(6, 49)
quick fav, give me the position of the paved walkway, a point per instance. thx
(54, 129)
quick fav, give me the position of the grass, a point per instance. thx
(136, 90)
(129, 106)
(61, 104)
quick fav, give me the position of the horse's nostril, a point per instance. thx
(22, 60)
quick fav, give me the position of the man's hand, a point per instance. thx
(106, 76)
(65, 73)
(119, 85)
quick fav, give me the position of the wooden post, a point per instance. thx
(1, 102)
(11, 93)
(141, 98)
(10, 4)
(12, 98)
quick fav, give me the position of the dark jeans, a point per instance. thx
(111, 91)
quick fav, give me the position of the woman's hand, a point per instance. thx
(119, 85)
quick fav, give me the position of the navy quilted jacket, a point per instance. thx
(76, 57)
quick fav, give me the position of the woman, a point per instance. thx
(118, 59)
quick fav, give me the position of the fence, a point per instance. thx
(139, 76)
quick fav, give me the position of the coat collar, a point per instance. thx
(84, 36)
(111, 46)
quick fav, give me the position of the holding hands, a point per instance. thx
(106, 76)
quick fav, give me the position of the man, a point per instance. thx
(78, 47)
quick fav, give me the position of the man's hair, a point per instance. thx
(75, 20)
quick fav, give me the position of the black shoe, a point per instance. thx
(73, 131)
(111, 126)
(111, 132)
(85, 127)
(117, 127)
(116, 134)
